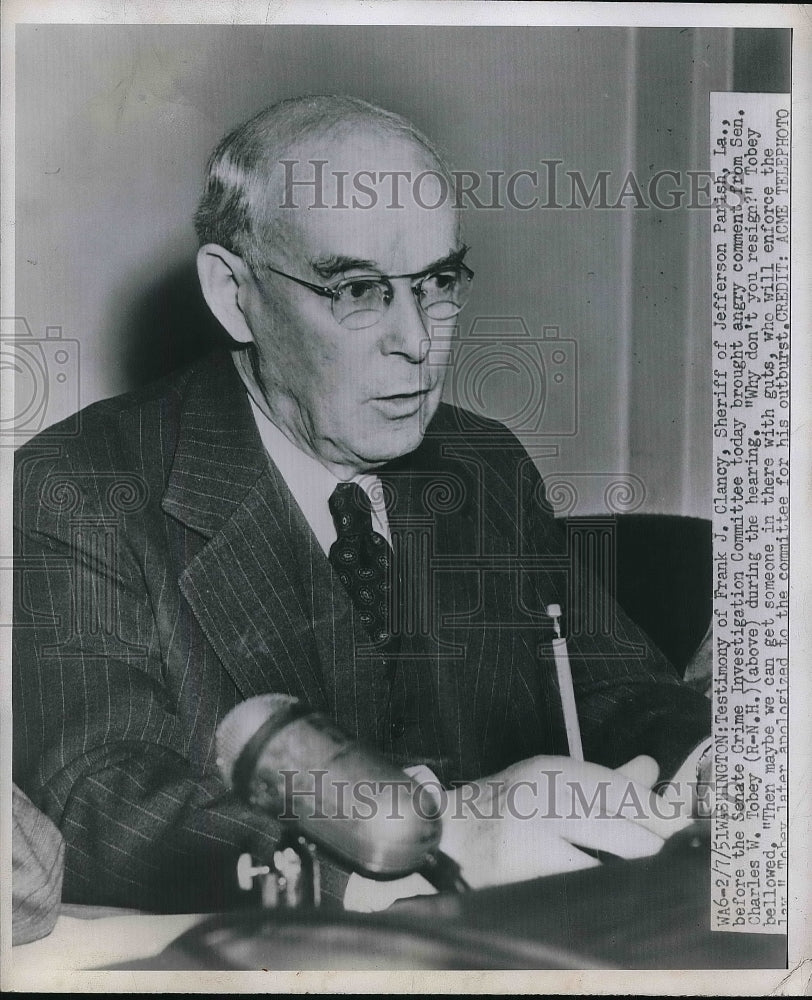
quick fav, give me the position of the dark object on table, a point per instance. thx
(648, 914)
(311, 940)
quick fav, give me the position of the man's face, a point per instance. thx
(353, 398)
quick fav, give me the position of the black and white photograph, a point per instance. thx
(398, 410)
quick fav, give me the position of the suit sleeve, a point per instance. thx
(98, 744)
(630, 699)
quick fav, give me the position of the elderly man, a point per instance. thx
(256, 523)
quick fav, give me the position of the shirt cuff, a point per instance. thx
(366, 895)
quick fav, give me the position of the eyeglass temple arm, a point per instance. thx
(319, 289)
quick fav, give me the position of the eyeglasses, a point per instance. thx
(360, 302)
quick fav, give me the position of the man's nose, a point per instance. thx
(405, 328)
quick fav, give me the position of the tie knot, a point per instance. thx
(351, 510)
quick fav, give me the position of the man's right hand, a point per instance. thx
(533, 818)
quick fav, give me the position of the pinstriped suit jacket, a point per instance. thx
(164, 574)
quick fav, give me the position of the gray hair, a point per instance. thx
(234, 209)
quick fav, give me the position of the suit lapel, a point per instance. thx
(244, 585)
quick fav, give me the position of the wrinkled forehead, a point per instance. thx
(369, 196)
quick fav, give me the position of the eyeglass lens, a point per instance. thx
(360, 302)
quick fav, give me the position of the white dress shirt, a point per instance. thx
(312, 484)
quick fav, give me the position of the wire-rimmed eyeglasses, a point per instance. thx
(360, 302)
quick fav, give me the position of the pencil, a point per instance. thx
(565, 687)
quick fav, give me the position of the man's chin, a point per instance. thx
(388, 435)
(399, 438)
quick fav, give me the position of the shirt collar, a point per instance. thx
(312, 484)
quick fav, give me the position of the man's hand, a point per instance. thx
(533, 818)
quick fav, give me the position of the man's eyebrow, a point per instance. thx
(330, 266)
(451, 259)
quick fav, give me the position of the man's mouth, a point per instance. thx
(416, 394)
(399, 405)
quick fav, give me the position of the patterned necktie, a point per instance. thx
(362, 558)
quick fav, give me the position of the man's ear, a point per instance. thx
(223, 279)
